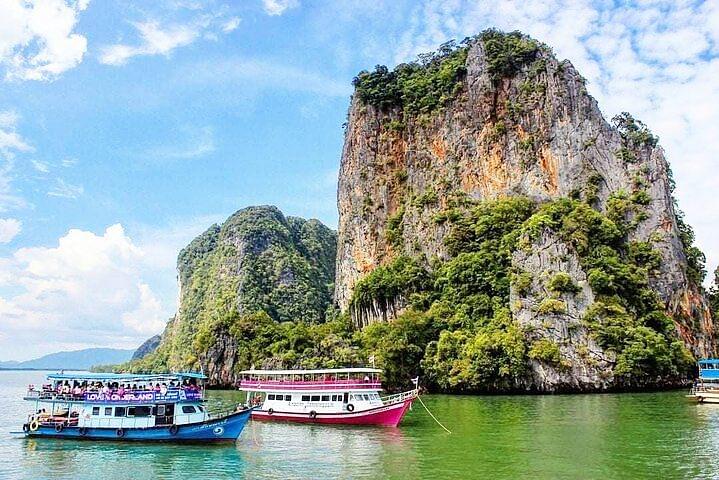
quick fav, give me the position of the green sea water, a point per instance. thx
(651, 435)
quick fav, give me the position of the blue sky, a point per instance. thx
(128, 127)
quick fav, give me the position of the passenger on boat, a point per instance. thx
(163, 389)
(121, 390)
(106, 390)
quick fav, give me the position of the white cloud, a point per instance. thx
(87, 290)
(231, 25)
(278, 7)
(159, 39)
(66, 190)
(37, 38)
(10, 140)
(9, 228)
(156, 40)
(68, 162)
(40, 166)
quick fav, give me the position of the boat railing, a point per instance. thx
(400, 397)
(313, 385)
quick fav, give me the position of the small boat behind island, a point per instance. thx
(349, 396)
(108, 406)
(706, 388)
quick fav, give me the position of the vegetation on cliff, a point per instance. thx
(426, 84)
(465, 336)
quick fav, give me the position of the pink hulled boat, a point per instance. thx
(349, 396)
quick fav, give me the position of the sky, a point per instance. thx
(128, 127)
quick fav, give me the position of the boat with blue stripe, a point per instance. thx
(168, 407)
(706, 387)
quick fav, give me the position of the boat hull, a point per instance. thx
(225, 429)
(704, 397)
(388, 416)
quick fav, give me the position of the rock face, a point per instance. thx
(533, 132)
(257, 261)
(149, 346)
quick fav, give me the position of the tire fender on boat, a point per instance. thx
(34, 425)
(59, 427)
(120, 432)
(270, 411)
(174, 429)
(350, 407)
(313, 414)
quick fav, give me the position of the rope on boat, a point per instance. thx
(431, 415)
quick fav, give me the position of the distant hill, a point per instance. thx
(75, 360)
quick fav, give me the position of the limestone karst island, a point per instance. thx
(472, 262)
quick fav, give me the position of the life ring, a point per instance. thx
(25, 427)
(313, 414)
(350, 407)
(34, 425)
(59, 427)
(270, 411)
(174, 429)
(82, 431)
(120, 432)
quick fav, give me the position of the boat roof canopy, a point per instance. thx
(709, 361)
(311, 372)
(98, 377)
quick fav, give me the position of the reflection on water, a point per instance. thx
(657, 435)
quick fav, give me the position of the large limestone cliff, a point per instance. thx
(533, 131)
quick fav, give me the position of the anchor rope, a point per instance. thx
(431, 415)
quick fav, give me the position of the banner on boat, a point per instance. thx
(147, 397)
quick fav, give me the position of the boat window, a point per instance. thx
(201, 408)
(325, 398)
(108, 411)
(161, 410)
(334, 398)
(315, 398)
(305, 398)
(188, 409)
(138, 411)
(119, 411)
(96, 410)
(288, 398)
(271, 396)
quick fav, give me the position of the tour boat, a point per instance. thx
(706, 388)
(108, 406)
(334, 396)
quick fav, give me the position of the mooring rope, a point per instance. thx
(430, 414)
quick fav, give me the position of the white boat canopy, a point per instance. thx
(312, 372)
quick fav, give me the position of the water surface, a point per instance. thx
(657, 435)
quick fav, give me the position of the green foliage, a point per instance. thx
(522, 281)
(395, 227)
(507, 53)
(634, 132)
(418, 87)
(389, 282)
(561, 282)
(551, 306)
(547, 351)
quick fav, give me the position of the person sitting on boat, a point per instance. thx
(121, 391)
(105, 390)
(77, 391)
(163, 389)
